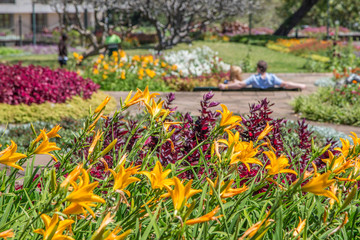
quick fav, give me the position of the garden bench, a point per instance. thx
(200, 89)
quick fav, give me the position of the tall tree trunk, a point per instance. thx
(295, 18)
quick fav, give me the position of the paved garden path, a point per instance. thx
(238, 102)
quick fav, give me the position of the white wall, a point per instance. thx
(25, 6)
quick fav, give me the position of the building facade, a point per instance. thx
(16, 13)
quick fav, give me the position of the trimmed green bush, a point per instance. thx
(50, 112)
(330, 105)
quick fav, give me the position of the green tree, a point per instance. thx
(293, 19)
(346, 12)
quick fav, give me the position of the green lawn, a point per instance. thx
(232, 53)
(43, 60)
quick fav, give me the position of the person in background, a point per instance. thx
(112, 42)
(262, 80)
(63, 50)
(235, 74)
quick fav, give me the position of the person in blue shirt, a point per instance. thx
(261, 80)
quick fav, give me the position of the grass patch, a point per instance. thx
(50, 60)
(234, 53)
(319, 107)
(230, 52)
(76, 108)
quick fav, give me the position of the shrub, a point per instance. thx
(50, 112)
(260, 40)
(144, 38)
(336, 105)
(139, 198)
(35, 84)
(5, 51)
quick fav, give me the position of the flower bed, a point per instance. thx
(336, 105)
(196, 62)
(173, 70)
(309, 47)
(35, 85)
(239, 179)
(321, 31)
(42, 49)
(120, 72)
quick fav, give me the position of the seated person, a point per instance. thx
(261, 80)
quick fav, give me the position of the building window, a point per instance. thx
(41, 22)
(7, 1)
(6, 20)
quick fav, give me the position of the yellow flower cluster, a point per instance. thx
(122, 66)
(78, 58)
(214, 38)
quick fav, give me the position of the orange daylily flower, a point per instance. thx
(265, 132)
(72, 176)
(54, 228)
(113, 235)
(167, 124)
(123, 178)
(92, 125)
(100, 233)
(207, 217)
(227, 191)
(227, 118)
(318, 184)
(156, 110)
(278, 165)
(300, 227)
(244, 152)
(255, 228)
(157, 176)
(180, 194)
(132, 170)
(337, 165)
(82, 196)
(102, 105)
(46, 147)
(134, 100)
(355, 139)
(215, 148)
(51, 134)
(345, 148)
(7, 234)
(146, 96)
(232, 139)
(96, 138)
(9, 156)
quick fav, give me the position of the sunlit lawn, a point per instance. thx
(232, 53)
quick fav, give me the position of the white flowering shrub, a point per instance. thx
(196, 62)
